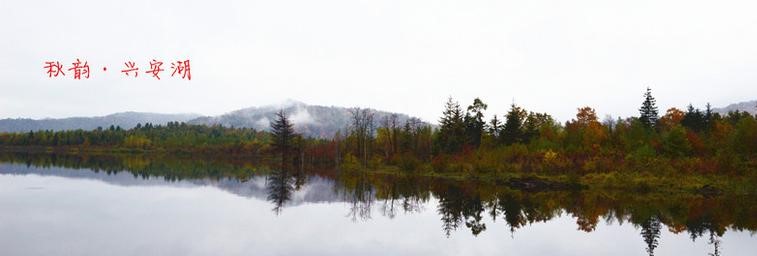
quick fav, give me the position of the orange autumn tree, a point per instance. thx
(672, 118)
(585, 134)
(677, 141)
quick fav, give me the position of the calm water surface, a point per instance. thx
(47, 209)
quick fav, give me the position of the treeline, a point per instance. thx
(172, 137)
(521, 141)
(681, 141)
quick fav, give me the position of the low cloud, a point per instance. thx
(262, 123)
(301, 116)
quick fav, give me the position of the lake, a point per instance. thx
(86, 206)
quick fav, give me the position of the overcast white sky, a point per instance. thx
(396, 55)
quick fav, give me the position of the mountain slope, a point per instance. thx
(124, 120)
(310, 120)
(748, 106)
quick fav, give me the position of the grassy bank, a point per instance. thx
(633, 181)
(626, 181)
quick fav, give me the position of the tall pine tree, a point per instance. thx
(513, 129)
(495, 126)
(474, 122)
(282, 131)
(648, 110)
(452, 128)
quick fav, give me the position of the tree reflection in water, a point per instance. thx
(650, 231)
(461, 204)
(281, 183)
(464, 205)
(358, 192)
(279, 187)
(715, 242)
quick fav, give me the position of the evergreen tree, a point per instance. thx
(282, 131)
(708, 116)
(533, 123)
(452, 128)
(495, 126)
(513, 130)
(650, 231)
(694, 119)
(648, 110)
(474, 122)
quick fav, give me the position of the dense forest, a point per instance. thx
(690, 141)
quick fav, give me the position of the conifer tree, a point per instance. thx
(474, 122)
(513, 130)
(648, 110)
(452, 127)
(282, 131)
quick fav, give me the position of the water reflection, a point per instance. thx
(470, 206)
(650, 231)
(279, 184)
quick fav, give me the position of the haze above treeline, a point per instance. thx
(310, 120)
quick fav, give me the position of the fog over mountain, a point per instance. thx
(310, 120)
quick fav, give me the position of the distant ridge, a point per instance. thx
(123, 119)
(310, 120)
(748, 106)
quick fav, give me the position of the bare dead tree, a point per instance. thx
(362, 129)
(390, 125)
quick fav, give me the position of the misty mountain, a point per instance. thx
(309, 120)
(748, 106)
(125, 120)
